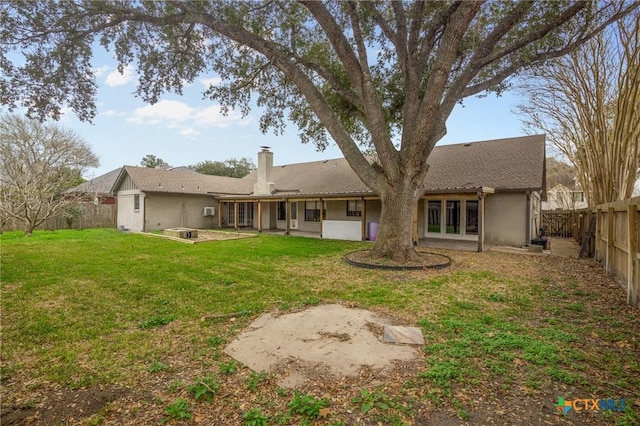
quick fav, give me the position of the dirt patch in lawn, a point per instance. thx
(329, 341)
(204, 236)
(207, 236)
(64, 406)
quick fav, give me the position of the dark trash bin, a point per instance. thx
(542, 241)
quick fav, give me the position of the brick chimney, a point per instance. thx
(264, 186)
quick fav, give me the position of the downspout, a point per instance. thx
(528, 219)
(144, 213)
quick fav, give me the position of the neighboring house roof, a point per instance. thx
(513, 164)
(101, 184)
(177, 168)
(182, 181)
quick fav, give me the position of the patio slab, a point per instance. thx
(323, 340)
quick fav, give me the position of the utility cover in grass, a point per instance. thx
(319, 342)
(407, 335)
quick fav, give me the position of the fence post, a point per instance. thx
(596, 239)
(632, 270)
(610, 237)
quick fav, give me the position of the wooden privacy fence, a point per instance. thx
(610, 233)
(93, 216)
(558, 223)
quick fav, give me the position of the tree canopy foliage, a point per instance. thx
(232, 167)
(151, 161)
(377, 76)
(560, 173)
(38, 163)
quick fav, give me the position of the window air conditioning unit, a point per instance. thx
(209, 211)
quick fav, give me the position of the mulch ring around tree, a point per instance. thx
(427, 260)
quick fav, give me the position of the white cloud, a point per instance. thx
(214, 81)
(187, 119)
(189, 132)
(211, 117)
(100, 70)
(114, 78)
(111, 113)
(170, 112)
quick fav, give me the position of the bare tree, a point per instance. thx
(38, 162)
(381, 76)
(588, 104)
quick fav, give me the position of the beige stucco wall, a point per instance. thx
(505, 219)
(164, 211)
(127, 217)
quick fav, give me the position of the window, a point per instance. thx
(312, 211)
(354, 208)
(241, 217)
(282, 210)
(250, 211)
(453, 216)
(434, 212)
(136, 202)
(471, 222)
(232, 214)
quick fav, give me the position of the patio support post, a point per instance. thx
(220, 204)
(288, 217)
(363, 220)
(527, 226)
(235, 215)
(321, 215)
(259, 216)
(480, 222)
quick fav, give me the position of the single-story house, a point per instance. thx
(486, 192)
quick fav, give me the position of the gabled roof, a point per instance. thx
(101, 184)
(503, 164)
(316, 177)
(511, 164)
(181, 181)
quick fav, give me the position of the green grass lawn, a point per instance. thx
(147, 319)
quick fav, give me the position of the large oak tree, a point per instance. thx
(370, 76)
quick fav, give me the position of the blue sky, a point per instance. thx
(184, 130)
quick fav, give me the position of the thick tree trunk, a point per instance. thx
(395, 234)
(28, 228)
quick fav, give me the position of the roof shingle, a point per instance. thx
(503, 164)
